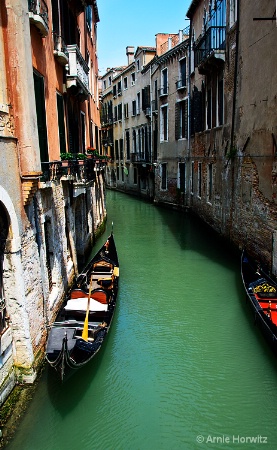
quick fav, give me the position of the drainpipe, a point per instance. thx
(234, 116)
(235, 75)
(189, 106)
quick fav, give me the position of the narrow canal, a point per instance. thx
(184, 367)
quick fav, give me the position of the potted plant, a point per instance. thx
(67, 156)
(80, 156)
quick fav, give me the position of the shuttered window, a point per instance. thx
(146, 98)
(181, 119)
(127, 144)
(41, 116)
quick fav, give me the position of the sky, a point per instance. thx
(135, 23)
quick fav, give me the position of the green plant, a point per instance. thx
(80, 156)
(67, 156)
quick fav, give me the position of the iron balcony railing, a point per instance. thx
(76, 170)
(212, 41)
(143, 157)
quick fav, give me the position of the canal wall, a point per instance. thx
(43, 252)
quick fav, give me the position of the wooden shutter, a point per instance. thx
(177, 121)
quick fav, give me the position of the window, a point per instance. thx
(114, 90)
(192, 178)
(110, 81)
(121, 148)
(91, 133)
(133, 79)
(89, 17)
(142, 144)
(145, 98)
(139, 143)
(164, 124)
(119, 88)
(138, 65)
(181, 182)
(116, 149)
(60, 110)
(125, 83)
(126, 111)
(210, 182)
(138, 103)
(134, 107)
(163, 176)
(134, 142)
(199, 191)
(83, 132)
(110, 111)
(41, 116)
(181, 120)
(119, 111)
(127, 140)
(104, 84)
(115, 113)
(182, 82)
(164, 83)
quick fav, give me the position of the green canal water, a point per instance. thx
(183, 367)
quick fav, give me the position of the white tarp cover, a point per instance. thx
(80, 304)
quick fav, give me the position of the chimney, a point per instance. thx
(130, 51)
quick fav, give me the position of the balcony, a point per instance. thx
(38, 15)
(163, 91)
(154, 104)
(78, 171)
(181, 84)
(148, 111)
(77, 73)
(210, 48)
(142, 158)
(60, 50)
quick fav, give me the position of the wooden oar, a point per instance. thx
(85, 330)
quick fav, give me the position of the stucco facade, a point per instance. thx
(212, 122)
(233, 145)
(50, 209)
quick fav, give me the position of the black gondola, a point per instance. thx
(261, 290)
(85, 319)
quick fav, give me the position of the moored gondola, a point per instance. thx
(84, 320)
(261, 291)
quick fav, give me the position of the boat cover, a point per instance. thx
(80, 304)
